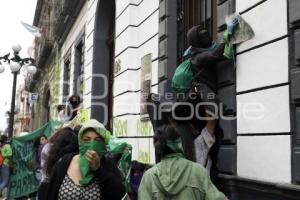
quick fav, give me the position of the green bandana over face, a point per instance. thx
(87, 174)
(175, 145)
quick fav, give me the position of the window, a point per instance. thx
(47, 105)
(192, 13)
(79, 68)
(146, 66)
(66, 83)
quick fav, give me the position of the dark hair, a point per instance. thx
(174, 131)
(93, 130)
(3, 139)
(76, 129)
(60, 108)
(74, 100)
(55, 135)
(66, 142)
(37, 142)
(198, 37)
(137, 167)
(162, 134)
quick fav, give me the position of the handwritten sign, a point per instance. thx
(23, 180)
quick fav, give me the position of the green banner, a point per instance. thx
(22, 178)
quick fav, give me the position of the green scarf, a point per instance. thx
(87, 174)
(175, 145)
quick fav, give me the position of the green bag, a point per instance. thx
(183, 77)
(119, 146)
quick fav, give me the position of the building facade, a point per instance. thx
(23, 112)
(112, 52)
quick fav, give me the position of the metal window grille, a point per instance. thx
(79, 69)
(66, 83)
(192, 13)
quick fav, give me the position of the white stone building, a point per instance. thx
(137, 44)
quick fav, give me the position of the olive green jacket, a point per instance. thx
(176, 178)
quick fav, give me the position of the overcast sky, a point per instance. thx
(13, 32)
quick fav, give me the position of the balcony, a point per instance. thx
(66, 13)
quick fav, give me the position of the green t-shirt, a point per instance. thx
(6, 153)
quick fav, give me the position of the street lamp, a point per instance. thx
(15, 63)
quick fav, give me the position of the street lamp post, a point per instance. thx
(16, 63)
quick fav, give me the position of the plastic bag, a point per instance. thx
(183, 77)
(119, 146)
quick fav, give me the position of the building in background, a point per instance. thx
(23, 111)
(110, 52)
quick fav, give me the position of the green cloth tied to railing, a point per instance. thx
(238, 31)
(119, 146)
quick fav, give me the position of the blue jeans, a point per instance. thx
(4, 176)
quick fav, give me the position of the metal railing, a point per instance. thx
(192, 13)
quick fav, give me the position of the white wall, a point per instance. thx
(263, 146)
(136, 36)
(84, 21)
(268, 68)
(89, 50)
(264, 111)
(265, 158)
(268, 20)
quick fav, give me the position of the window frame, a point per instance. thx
(185, 22)
(66, 75)
(79, 63)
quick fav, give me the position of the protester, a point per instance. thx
(175, 177)
(62, 142)
(65, 143)
(62, 114)
(89, 174)
(69, 111)
(43, 141)
(6, 153)
(136, 174)
(199, 146)
(199, 140)
(204, 55)
(38, 146)
(75, 102)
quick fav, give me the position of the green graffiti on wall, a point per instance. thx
(49, 80)
(120, 127)
(144, 157)
(82, 117)
(144, 128)
(54, 82)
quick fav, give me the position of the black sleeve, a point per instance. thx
(57, 176)
(203, 59)
(110, 180)
(42, 191)
(53, 185)
(218, 52)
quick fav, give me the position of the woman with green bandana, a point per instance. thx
(6, 153)
(89, 175)
(174, 177)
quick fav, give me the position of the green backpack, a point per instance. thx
(183, 77)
